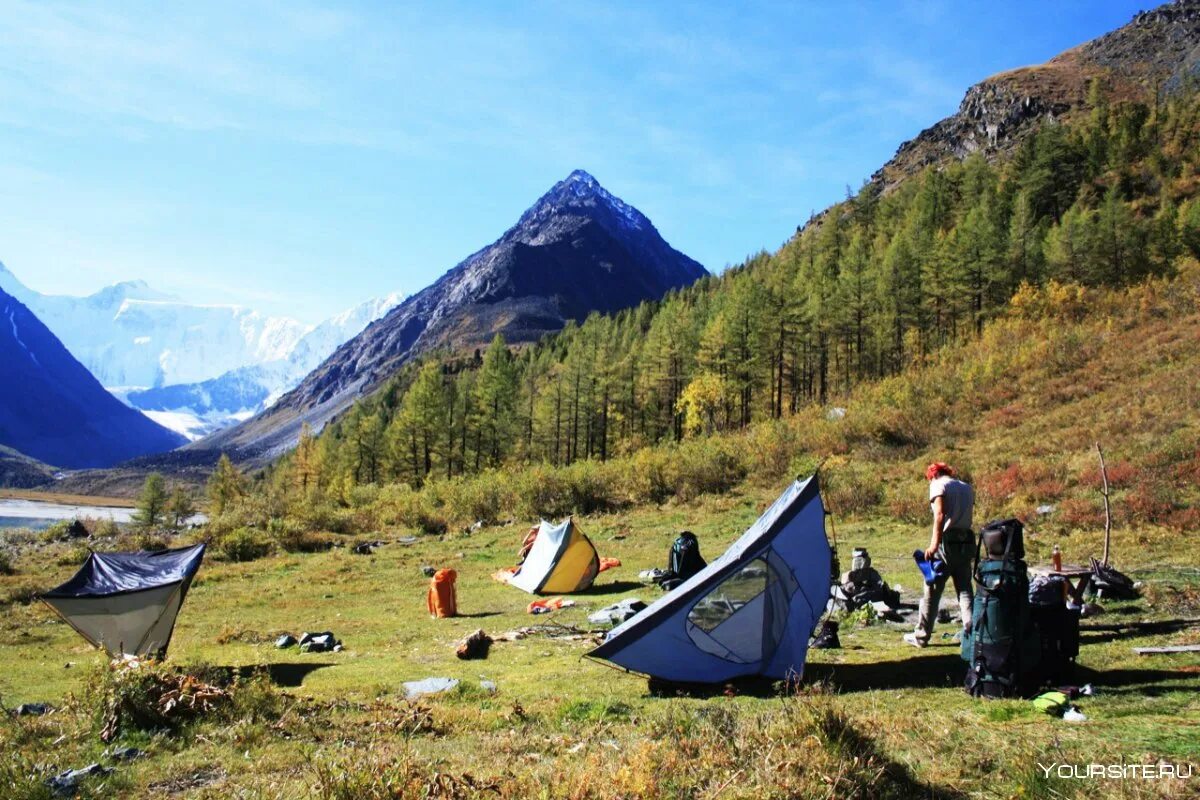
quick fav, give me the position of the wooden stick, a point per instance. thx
(1107, 508)
(1179, 648)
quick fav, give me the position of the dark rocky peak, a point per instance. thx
(582, 195)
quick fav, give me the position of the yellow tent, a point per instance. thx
(562, 560)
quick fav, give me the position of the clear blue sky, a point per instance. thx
(300, 158)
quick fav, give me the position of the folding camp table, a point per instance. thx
(1077, 578)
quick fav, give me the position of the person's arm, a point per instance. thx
(939, 519)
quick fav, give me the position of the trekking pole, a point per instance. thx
(1107, 509)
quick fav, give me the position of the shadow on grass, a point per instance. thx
(916, 672)
(289, 675)
(1149, 682)
(480, 614)
(616, 587)
(1099, 634)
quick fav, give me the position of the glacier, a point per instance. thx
(193, 368)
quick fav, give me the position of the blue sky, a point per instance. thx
(300, 158)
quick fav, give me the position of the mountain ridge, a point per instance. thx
(53, 409)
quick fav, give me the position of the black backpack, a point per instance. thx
(684, 560)
(1058, 629)
(1002, 648)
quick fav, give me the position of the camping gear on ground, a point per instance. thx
(1057, 624)
(827, 638)
(442, 598)
(863, 585)
(66, 784)
(32, 709)
(124, 753)
(474, 645)
(617, 612)
(548, 604)
(562, 560)
(607, 563)
(654, 575)
(1002, 538)
(415, 689)
(683, 560)
(285, 641)
(750, 612)
(1054, 702)
(1002, 649)
(1110, 584)
(931, 568)
(324, 642)
(127, 603)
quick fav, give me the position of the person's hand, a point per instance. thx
(930, 552)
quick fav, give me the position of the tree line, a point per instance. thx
(861, 291)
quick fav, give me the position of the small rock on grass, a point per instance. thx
(415, 689)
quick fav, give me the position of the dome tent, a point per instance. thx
(561, 561)
(127, 603)
(749, 613)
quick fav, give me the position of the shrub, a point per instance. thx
(73, 556)
(6, 562)
(851, 488)
(291, 537)
(487, 497)
(705, 467)
(542, 491)
(242, 544)
(593, 486)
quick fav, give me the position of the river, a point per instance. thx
(38, 514)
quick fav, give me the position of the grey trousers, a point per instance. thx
(960, 573)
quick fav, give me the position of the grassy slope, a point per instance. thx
(1036, 391)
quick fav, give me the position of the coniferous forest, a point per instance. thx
(872, 285)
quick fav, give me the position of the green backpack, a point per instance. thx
(1002, 648)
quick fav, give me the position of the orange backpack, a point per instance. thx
(442, 598)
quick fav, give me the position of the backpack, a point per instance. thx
(683, 560)
(442, 598)
(1058, 629)
(1002, 538)
(1002, 649)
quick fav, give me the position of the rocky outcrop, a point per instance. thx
(1157, 52)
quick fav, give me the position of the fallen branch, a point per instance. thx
(1179, 648)
(1147, 625)
(1107, 508)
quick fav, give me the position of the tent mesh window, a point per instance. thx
(736, 620)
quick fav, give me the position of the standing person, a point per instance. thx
(952, 540)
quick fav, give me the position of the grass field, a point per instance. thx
(877, 718)
(1019, 409)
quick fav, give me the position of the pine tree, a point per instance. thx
(152, 502)
(226, 486)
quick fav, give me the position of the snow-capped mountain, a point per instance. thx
(193, 368)
(199, 408)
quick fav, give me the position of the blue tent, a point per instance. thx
(127, 602)
(750, 612)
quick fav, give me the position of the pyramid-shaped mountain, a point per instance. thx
(53, 410)
(578, 249)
